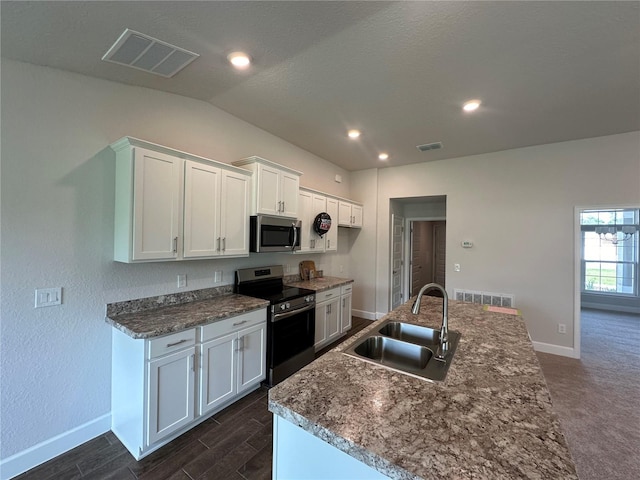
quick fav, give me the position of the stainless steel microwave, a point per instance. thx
(274, 234)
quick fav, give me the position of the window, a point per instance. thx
(610, 251)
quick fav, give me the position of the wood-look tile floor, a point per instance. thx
(234, 444)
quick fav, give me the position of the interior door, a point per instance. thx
(439, 252)
(397, 252)
(416, 259)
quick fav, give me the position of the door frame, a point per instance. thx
(403, 264)
(577, 262)
(408, 248)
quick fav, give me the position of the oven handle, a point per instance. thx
(280, 316)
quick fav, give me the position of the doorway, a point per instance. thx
(427, 253)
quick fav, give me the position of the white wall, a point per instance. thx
(57, 230)
(517, 206)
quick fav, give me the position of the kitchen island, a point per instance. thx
(491, 418)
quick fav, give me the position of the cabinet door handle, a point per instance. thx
(279, 209)
(329, 295)
(177, 343)
(239, 323)
(328, 243)
(224, 244)
(239, 344)
(175, 244)
(218, 249)
(343, 302)
(193, 362)
(283, 205)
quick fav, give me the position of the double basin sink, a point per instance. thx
(406, 348)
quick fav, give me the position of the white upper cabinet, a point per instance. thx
(331, 242)
(310, 205)
(172, 205)
(201, 210)
(234, 204)
(274, 187)
(349, 215)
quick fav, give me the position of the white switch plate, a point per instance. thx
(562, 328)
(456, 267)
(217, 276)
(48, 297)
(182, 280)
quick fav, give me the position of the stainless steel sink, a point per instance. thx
(407, 332)
(406, 348)
(394, 353)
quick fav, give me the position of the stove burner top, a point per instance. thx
(267, 283)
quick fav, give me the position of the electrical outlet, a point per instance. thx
(456, 267)
(48, 297)
(217, 276)
(182, 280)
(562, 328)
(341, 269)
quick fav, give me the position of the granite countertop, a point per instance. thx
(491, 418)
(321, 284)
(163, 320)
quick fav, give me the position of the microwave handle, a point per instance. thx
(295, 236)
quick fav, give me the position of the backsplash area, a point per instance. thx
(485, 298)
(149, 303)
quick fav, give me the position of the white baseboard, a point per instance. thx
(555, 349)
(610, 308)
(363, 314)
(51, 448)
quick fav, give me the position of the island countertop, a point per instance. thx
(164, 320)
(491, 418)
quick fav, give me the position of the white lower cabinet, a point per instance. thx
(232, 361)
(333, 315)
(327, 317)
(345, 307)
(163, 386)
(171, 393)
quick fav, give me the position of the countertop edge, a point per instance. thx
(257, 304)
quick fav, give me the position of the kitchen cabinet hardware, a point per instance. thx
(235, 324)
(184, 340)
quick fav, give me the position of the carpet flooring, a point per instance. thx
(598, 396)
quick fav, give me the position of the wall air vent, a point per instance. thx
(429, 146)
(146, 53)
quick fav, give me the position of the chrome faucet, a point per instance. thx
(443, 348)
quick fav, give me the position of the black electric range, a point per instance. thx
(290, 322)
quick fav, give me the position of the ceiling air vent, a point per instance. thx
(429, 146)
(146, 53)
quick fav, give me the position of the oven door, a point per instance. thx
(274, 234)
(291, 334)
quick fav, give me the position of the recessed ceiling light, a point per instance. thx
(239, 59)
(353, 133)
(471, 105)
(383, 156)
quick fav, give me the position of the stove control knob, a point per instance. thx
(283, 306)
(288, 305)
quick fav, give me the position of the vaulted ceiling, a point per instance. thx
(398, 71)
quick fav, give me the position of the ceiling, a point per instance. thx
(399, 71)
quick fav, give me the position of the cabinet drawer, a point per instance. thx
(327, 295)
(228, 325)
(346, 289)
(171, 343)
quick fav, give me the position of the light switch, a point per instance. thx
(217, 276)
(48, 297)
(182, 280)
